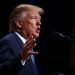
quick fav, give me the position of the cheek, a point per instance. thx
(31, 26)
(30, 29)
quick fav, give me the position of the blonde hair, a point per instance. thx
(19, 11)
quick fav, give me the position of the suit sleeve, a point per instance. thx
(8, 62)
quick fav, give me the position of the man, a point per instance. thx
(16, 48)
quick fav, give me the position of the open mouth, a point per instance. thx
(38, 31)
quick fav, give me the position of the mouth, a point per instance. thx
(38, 30)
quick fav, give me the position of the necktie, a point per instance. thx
(33, 64)
(33, 59)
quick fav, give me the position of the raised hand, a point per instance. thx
(27, 49)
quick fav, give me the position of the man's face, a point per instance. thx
(31, 24)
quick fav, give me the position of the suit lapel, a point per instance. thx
(19, 41)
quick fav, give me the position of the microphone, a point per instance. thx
(70, 38)
(59, 34)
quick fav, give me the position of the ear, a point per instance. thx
(18, 23)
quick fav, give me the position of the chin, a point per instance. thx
(36, 36)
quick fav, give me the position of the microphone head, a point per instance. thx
(62, 36)
(59, 34)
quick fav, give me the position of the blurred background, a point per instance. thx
(56, 44)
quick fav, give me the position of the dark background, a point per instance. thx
(53, 50)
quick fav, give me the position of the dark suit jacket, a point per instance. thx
(10, 59)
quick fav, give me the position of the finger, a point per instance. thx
(32, 53)
(28, 48)
(29, 42)
(30, 37)
(31, 46)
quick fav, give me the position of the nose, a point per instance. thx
(38, 22)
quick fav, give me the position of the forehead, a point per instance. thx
(33, 13)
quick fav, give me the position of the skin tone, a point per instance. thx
(30, 29)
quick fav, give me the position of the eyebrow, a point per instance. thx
(36, 16)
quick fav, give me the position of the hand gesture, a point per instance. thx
(27, 49)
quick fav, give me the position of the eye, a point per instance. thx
(34, 17)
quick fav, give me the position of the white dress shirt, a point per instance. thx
(24, 41)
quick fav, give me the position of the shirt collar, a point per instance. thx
(22, 38)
